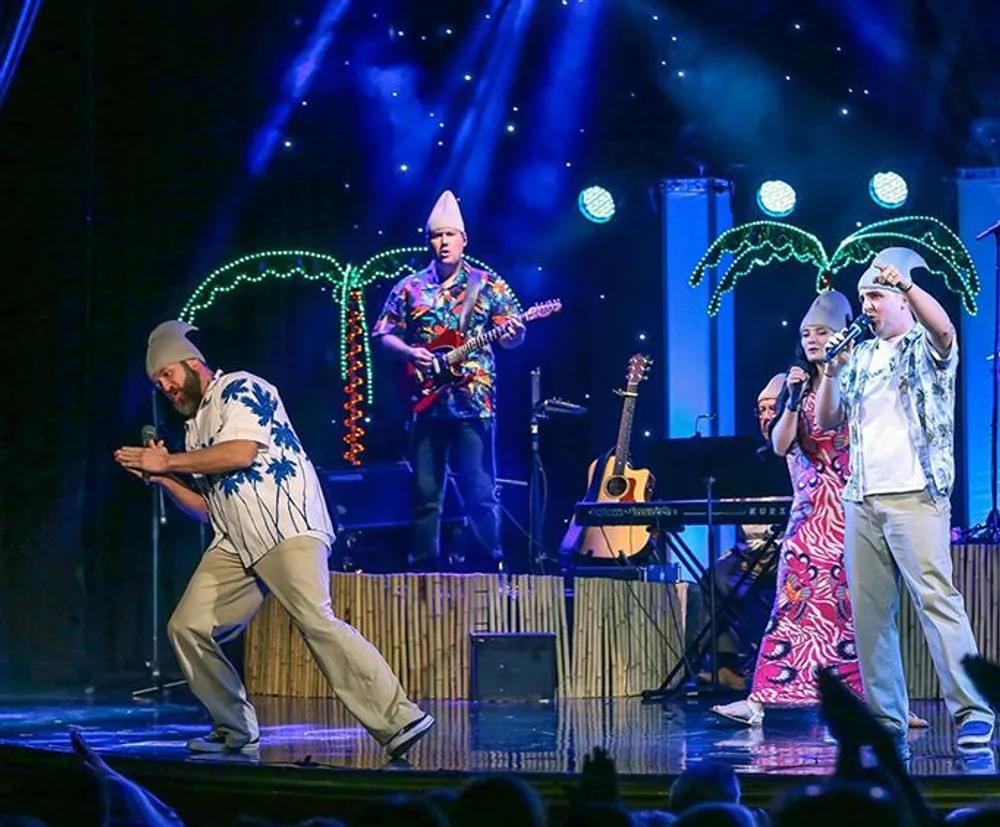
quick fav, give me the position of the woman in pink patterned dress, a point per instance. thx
(811, 623)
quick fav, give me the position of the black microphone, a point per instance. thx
(795, 389)
(536, 388)
(148, 435)
(994, 230)
(795, 395)
(859, 327)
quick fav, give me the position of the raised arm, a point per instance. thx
(926, 309)
(785, 429)
(829, 403)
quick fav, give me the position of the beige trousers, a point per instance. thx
(219, 602)
(893, 537)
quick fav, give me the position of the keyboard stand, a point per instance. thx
(723, 604)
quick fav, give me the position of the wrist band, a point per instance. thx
(906, 289)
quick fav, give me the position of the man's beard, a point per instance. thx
(190, 395)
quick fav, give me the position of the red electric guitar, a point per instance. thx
(425, 385)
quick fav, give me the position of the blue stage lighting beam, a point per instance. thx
(297, 81)
(12, 54)
(469, 167)
(562, 105)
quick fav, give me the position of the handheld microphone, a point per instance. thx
(536, 387)
(795, 389)
(859, 327)
(148, 435)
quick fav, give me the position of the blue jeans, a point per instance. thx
(468, 447)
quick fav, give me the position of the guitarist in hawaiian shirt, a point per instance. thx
(458, 430)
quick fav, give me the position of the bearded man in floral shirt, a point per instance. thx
(459, 428)
(246, 473)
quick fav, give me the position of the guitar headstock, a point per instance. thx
(638, 369)
(541, 310)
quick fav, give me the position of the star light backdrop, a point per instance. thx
(172, 139)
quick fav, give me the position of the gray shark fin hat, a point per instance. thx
(831, 309)
(902, 258)
(168, 343)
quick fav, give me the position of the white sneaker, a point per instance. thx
(218, 741)
(402, 741)
(747, 713)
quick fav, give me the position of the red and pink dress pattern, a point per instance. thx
(811, 623)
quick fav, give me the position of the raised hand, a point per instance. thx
(985, 676)
(890, 276)
(125, 802)
(149, 461)
(834, 366)
(796, 376)
(598, 778)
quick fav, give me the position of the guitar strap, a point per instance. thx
(473, 285)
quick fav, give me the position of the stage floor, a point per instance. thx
(644, 740)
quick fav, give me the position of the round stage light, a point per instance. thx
(776, 198)
(888, 189)
(596, 204)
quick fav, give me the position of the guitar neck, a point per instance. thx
(625, 431)
(477, 342)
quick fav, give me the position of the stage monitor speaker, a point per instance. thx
(377, 496)
(513, 668)
(370, 508)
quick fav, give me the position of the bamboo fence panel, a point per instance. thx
(977, 578)
(624, 638)
(627, 636)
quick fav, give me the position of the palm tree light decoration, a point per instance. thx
(759, 243)
(346, 284)
(354, 339)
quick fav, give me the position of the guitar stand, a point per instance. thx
(696, 651)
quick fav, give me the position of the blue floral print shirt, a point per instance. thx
(277, 497)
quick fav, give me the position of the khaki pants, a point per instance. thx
(221, 599)
(888, 536)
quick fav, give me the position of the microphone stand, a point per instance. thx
(538, 484)
(158, 518)
(713, 686)
(990, 530)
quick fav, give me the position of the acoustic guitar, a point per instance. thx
(424, 386)
(611, 478)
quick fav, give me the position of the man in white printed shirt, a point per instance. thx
(897, 393)
(253, 481)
